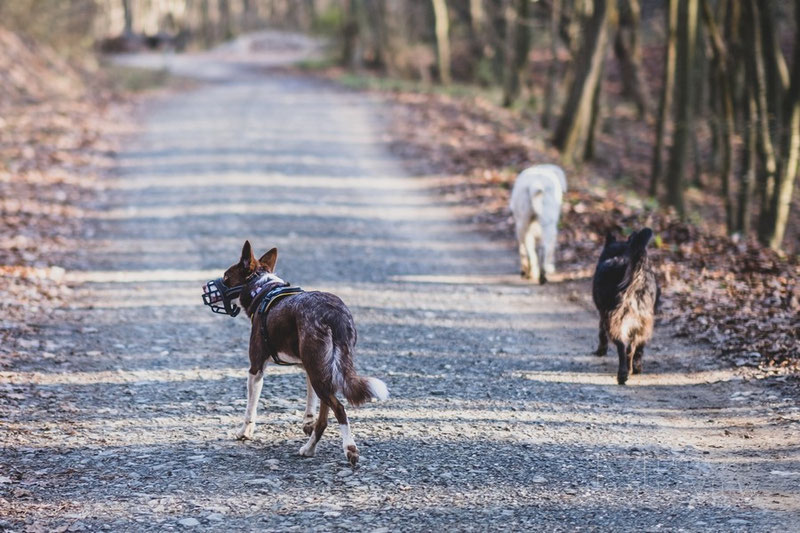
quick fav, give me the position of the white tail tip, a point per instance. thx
(377, 388)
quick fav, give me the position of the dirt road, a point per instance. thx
(121, 412)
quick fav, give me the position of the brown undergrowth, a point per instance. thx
(53, 116)
(741, 297)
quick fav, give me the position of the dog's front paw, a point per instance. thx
(308, 426)
(352, 454)
(308, 450)
(601, 351)
(246, 433)
(622, 378)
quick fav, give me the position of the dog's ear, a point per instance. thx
(248, 260)
(610, 239)
(269, 259)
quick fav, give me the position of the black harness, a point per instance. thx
(262, 307)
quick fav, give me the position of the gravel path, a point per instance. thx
(121, 412)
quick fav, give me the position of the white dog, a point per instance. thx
(536, 206)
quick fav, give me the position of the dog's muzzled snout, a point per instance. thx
(215, 291)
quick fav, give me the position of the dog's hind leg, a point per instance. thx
(637, 359)
(524, 259)
(254, 384)
(348, 444)
(622, 370)
(310, 447)
(312, 403)
(547, 250)
(530, 248)
(602, 347)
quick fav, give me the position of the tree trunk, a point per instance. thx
(225, 21)
(574, 127)
(205, 22)
(665, 102)
(684, 104)
(750, 157)
(629, 55)
(552, 67)
(126, 8)
(724, 106)
(478, 37)
(442, 27)
(782, 199)
(519, 55)
(758, 78)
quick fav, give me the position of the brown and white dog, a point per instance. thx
(312, 329)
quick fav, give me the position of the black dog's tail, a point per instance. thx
(638, 246)
(637, 252)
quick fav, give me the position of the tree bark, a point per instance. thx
(225, 19)
(684, 104)
(665, 102)
(128, 13)
(725, 109)
(758, 79)
(442, 28)
(573, 129)
(629, 55)
(552, 67)
(519, 55)
(782, 199)
(750, 158)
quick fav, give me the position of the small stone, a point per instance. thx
(380, 530)
(215, 517)
(332, 514)
(189, 522)
(539, 479)
(344, 472)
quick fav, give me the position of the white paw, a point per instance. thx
(246, 433)
(308, 450)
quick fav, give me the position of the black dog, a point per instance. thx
(625, 291)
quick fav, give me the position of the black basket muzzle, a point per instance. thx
(220, 298)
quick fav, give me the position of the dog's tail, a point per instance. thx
(358, 390)
(638, 246)
(637, 252)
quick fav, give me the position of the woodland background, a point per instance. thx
(680, 114)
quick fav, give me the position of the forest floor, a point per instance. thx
(119, 400)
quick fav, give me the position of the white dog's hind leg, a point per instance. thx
(530, 248)
(524, 258)
(254, 384)
(312, 403)
(548, 247)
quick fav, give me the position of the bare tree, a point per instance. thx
(442, 24)
(665, 102)
(518, 55)
(684, 90)
(575, 125)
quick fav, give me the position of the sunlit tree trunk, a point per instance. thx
(574, 126)
(442, 29)
(782, 198)
(665, 102)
